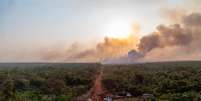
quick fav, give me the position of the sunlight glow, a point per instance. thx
(118, 29)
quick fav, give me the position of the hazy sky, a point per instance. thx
(28, 24)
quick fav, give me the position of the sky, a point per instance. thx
(27, 26)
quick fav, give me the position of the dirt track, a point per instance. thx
(97, 88)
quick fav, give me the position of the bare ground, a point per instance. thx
(97, 88)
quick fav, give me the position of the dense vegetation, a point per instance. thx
(45, 82)
(171, 81)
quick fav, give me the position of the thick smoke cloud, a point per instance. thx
(175, 42)
(166, 36)
(109, 49)
(149, 42)
(169, 42)
(193, 20)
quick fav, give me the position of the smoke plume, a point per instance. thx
(109, 49)
(173, 42)
(169, 42)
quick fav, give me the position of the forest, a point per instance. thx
(166, 81)
(162, 81)
(45, 82)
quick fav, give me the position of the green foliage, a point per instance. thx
(185, 96)
(63, 98)
(8, 91)
(30, 96)
(45, 82)
(170, 81)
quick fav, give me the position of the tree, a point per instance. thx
(8, 92)
(54, 86)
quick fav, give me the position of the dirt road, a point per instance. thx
(97, 88)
